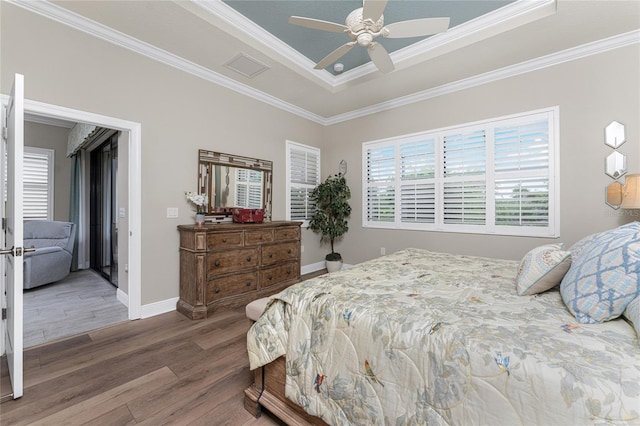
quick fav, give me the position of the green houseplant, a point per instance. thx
(331, 199)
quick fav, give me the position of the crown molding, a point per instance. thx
(110, 35)
(575, 53)
(513, 14)
(73, 20)
(266, 40)
(472, 31)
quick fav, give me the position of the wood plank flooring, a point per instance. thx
(164, 370)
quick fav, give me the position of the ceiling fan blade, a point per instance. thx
(372, 9)
(380, 57)
(317, 24)
(335, 55)
(417, 27)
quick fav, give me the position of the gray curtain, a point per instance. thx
(74, 204)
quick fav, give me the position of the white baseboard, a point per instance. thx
(122, 297)
(164, 306)
(307, 269)
(157, 308)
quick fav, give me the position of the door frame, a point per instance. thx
(134, 147)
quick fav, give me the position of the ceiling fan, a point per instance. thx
(363, 25)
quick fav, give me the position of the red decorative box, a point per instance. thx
(248, 215)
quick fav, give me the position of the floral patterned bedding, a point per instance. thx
(419, 337)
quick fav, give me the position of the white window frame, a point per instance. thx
(49, 154)
(550, 114)
(295, 146)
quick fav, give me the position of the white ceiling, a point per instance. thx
(200, 37)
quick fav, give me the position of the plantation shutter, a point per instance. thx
(304, 171)
(249, 185)
(380, 183)
(497, 176)
(521, 174)
(464, 177)
(417, 175)
(38, 184)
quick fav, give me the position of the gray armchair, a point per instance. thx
(54, 243)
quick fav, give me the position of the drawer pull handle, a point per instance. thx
(248, 283)
(261, 237)
(217, 263)
(224, 240)
(288, 271)
(270, 255)
(270, 277)
(217, 290)
(289, 251)
(248, 258)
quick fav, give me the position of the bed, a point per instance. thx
(420, 337)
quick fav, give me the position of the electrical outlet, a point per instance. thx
(301, 249)
(172, 212)
(383, 251)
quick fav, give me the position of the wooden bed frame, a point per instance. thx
(267, 391)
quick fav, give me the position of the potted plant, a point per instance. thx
(199, 201)
(331, 199)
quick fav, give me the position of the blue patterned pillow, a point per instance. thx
(603, 277)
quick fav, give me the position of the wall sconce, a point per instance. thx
(631, 192)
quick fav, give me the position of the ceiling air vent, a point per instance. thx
(246, 65)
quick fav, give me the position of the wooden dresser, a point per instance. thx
(228, 265)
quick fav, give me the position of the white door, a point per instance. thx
(13, 135)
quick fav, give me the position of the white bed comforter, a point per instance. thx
(419, 338)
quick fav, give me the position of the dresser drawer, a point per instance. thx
(231, 285)
(287, 233)
(224, 239)
(280, 273)
(274, 253)
(231, 260)
(258, 237)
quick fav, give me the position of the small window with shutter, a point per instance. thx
(38, 183)
(497, 176)
(303, 175)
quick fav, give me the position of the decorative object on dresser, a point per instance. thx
(199, 201)
(231, 264)
(233, 181)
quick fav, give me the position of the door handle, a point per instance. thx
(17, 251)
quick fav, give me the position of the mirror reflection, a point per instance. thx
(231, 181)
(616, 165)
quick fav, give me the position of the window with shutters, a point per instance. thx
(249, 184)
(303, 174)
(497, 176)
(38, 183)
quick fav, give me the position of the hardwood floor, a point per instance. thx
(164, 370)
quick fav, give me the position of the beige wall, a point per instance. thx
(179, 114)
(53, 137)
(590, 93)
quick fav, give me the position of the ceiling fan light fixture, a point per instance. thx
(364, 39)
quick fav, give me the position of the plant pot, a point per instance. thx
(199, 219)
(333, 265)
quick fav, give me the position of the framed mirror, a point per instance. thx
(232, 181)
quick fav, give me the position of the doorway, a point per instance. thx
(129, 292)
(104, 210)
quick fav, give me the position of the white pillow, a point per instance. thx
(541, 269)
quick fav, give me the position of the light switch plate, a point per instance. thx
(172, 212)
(121, 212)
